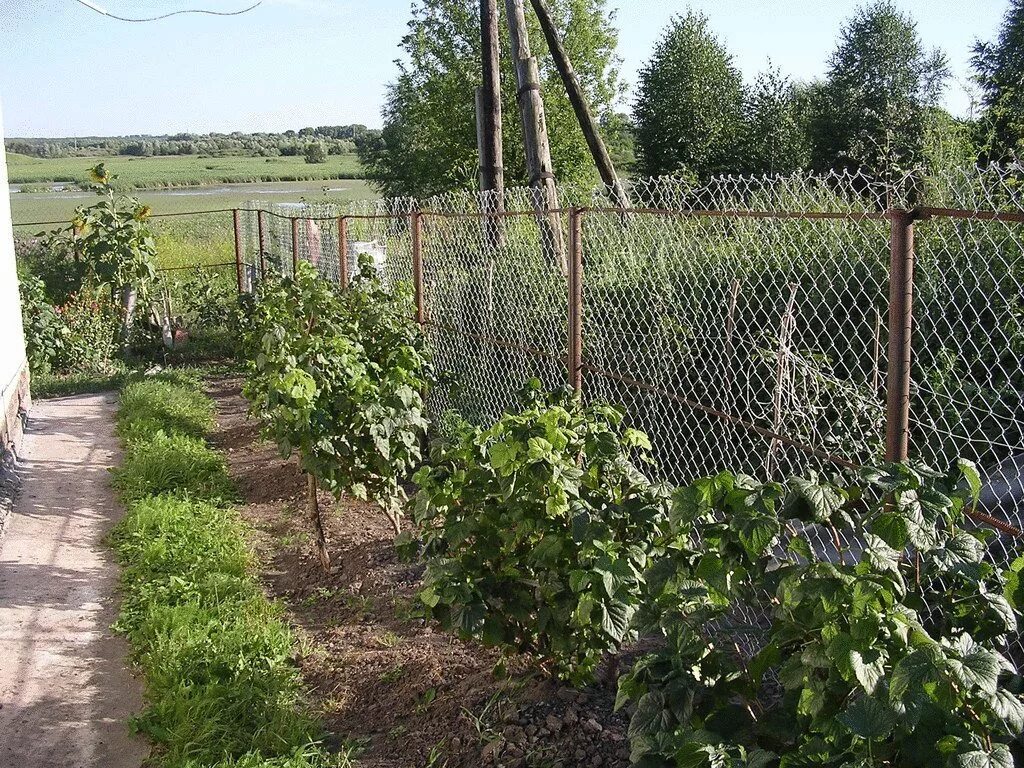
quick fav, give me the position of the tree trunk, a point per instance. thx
(313, 507)
(578, 99)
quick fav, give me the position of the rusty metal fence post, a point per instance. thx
(343, 252)
(901, 319)
(416, 227)
(295, 247)
(237, 220)
(261, 236)
(575, 303)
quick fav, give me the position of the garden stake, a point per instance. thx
(343, 252)
(237, 220)
(262, 237)
(901, 307)
(576, 300)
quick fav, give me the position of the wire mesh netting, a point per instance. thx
(743, 324)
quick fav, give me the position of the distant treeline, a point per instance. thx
(335, 140)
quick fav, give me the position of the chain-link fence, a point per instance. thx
(745, 324)
(766, 326)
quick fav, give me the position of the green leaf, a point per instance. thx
(1009, 707)
(868, 718)
(651, 715)
(971, 477)
(548, 550)
(429, 597)
(868, 673)
(615, 620)
(999, 757)
(1003, 609)
(812, 501)
(962, 548)
(757, 533)
(892, 529)
(634, 438)
(977, 665)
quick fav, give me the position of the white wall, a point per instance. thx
(12, 340)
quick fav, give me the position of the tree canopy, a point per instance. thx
(999, 66)
(775, 133)
(428, 143)
(872, 109)
(689, 103)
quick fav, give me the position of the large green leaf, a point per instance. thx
(999, 757)
(868, 718)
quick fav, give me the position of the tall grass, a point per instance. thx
(221, 686)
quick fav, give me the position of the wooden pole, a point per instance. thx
(417, 267)
(492, 169)
(580, 106)
(786, 328)
(261, 234)
(295, 247)
(901, 314)
(575, 324)
(535, 132)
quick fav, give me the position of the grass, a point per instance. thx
(174, 464)
(60, 206)
(149, 406)
(222, 690)
(65, 384)
(181, 170)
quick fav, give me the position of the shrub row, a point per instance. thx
(221, 687)
(797, 624)
(805, 623)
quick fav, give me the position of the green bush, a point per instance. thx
(339, 380)
(45, 331)
(882, 647)
(538, 530)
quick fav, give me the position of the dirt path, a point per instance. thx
(65, 692)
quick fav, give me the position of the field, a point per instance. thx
(180, 170)
(30, 207)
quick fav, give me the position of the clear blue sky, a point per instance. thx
(66, 71)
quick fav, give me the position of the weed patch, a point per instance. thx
(221, 687)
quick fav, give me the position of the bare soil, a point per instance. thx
(404, 692)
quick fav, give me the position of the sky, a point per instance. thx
(67, 71)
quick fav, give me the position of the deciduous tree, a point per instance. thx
(1000, 72)
(428, 143)
(871, 113)
(776, 136)
(689, 105)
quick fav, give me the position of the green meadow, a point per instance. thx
(180, 170)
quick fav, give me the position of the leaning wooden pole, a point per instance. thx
(535, 133)
(578, 99)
